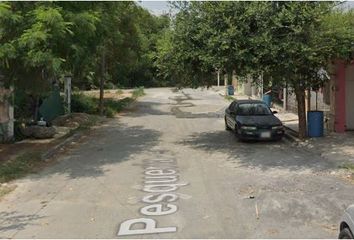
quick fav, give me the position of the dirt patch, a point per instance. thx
(73, 120)
(110, 94)
(9, 151)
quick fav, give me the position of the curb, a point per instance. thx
(54, 150)
(290, 134)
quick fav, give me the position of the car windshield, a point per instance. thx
(253, 109)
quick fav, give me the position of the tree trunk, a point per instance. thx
(36, 109)
(6, 114)
(103, 63)
(300, 97)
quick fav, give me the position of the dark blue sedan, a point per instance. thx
(253, 120)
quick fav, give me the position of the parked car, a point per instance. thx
(347, 224)
(253, 119)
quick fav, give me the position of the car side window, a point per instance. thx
(244, 109)
(232, 106)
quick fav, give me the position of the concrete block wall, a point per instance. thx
(321, 105)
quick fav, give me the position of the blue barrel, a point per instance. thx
(315, 123)
(267, 98)
(230, 90)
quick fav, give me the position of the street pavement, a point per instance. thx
(168, 169)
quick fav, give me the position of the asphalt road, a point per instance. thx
(168, 169)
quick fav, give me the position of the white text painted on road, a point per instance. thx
(161, 180)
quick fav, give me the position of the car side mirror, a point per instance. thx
(274, 112)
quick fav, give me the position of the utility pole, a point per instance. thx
(262, 85)
(67, 91)
(218, 77)
(103, 67)
(285, 98)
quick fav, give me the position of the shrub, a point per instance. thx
(119, 91)
(88, 104)
(109, 112)
(109, 85)
(83, 103)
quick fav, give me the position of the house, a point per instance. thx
(335, 99)
(342, 96)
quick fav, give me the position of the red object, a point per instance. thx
(340, 117)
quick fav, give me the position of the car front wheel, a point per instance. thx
(227, 126)
(345, 234)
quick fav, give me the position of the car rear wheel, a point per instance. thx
(345, 234)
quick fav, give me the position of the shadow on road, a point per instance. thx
(110, 144)
(263, 155)
(144, 108)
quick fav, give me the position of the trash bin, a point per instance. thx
(230, 90)
(315, 123)
(267, 98)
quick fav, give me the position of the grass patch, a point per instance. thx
(89, 104)
(229, 98)
(5, 190)
(138, 92)
(90, 123)
(84, 103)
(93, 120)
(115, 106)
(20, 166)
(348, 166)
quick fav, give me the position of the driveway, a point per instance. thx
(168, 169)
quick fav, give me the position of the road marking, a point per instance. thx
(161, 181)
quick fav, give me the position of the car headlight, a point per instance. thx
(278, 127)
(248, 128)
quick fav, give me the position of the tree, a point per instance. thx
(300, 48)
(292, 42)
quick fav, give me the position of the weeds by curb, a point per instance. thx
(5, 189)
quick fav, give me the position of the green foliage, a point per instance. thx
(287, 41)
(88, 104)
(229, 98)
(109, 85)
(138, 92)
(18, 167)
(112, 106)
(40, 42)
(348, 166)
(291, 43)
(83, 103)
(5, 190)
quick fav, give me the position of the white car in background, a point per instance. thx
(347, 224)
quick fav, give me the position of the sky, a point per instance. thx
(160, 7)
(155, 7)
